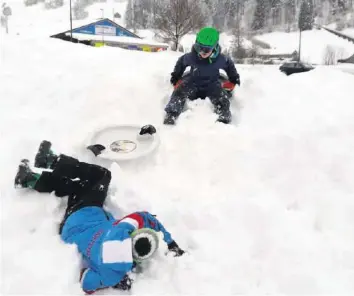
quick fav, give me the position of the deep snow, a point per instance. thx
(263, 205)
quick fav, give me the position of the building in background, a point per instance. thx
(105, 32)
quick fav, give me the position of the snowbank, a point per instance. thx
(349, 32)
(314, 45)
(263, 206)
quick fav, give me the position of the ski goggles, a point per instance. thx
(203, 48)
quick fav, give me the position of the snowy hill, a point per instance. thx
(37, 21)
(314, 45)
(349, 32)
(263, 206)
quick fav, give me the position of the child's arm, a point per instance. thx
(152, 222)
(178, 70)
(140, 220)
(231, 71)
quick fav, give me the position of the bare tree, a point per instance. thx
(238, 51)
(30, 2)
(329, 57)
(176, 18)
(253, 53)
(51, 4)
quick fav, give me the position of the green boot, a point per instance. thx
(25, 178)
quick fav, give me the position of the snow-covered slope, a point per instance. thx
(314, 45)
(349, 32)
(264, 205)
(37, 21)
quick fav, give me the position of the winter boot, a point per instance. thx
(225, 117)
(224, 114)
(45, 157)
(25, 178)
(170, 119)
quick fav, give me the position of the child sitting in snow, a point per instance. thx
(205, 61)
(104, 243)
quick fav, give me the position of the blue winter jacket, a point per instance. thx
(105, 243)
(205, 72)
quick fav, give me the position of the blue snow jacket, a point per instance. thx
(205, 72)
(105, 243)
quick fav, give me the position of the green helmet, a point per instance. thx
(208, 36)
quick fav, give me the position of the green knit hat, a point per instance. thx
(208, 36)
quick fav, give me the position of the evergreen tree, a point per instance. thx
(259, 18)
(306, 18)
(129, 15)
(290, 13)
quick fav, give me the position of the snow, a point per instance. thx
(313, 44)
(348, 31)
(146, 34)
(120, 39)
(263, 206)
(53, 21)
(109, 8)
(346, 67)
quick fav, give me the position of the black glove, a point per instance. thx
(174, 79)
(237, 81)
(125, 284)
(147, 129)
(96, 149)
(173, 247)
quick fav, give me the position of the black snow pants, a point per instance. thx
(85, 184)
(188, 90)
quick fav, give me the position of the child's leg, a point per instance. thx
(90, 193)
(186, 90)
(221, 102)
(69, 177)
(72, 168)
(89, 189)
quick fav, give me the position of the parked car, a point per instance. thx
(295, 67)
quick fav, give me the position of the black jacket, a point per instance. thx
(205, 72)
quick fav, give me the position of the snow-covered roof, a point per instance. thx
(117, 39)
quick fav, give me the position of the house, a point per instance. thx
(108, 33)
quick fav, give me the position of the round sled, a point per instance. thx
(126, 142)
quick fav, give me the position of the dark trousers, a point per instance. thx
(188, 90)
(85, 184)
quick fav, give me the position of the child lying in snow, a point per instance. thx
(104, 243)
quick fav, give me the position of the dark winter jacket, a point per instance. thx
(205, 72)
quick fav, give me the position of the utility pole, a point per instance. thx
(102, 28)
(299, 47)
(71, 23)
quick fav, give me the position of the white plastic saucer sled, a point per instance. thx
(126, 142)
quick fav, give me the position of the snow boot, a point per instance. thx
(225, 118)
(224, 114)
(25, 178)
(96, 149)
(170, 119)
(45, 157)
